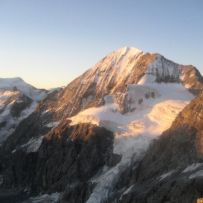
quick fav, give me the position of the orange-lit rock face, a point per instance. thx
(192, 116)
(200, 200)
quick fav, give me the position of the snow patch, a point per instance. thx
(33, 144)
(48, 198)
(188, 86)
(106, 181)
(128, 190)
(192, 167)
(52, 124)
(165, 175)
(196, 174)
(145, 119)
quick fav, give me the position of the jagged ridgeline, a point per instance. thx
(92, 141)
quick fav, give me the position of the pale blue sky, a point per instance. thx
(50, 42)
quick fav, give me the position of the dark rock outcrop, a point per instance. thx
(20, 105)
(69, 155)
(32, 126)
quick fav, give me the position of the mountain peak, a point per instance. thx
(127, 49)
(4, 81)
(22, 86)
(133, 94)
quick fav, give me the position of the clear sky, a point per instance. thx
(50, 42)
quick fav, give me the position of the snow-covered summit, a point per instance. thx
(130, 65)
(126, 49)
(113, 69)
(25, 88)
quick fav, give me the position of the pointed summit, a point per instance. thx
(125, 50)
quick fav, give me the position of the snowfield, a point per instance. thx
(150, 118)
(45, 198)
(135, 130)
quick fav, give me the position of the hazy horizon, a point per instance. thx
(49, 43)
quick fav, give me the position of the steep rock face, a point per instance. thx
(183, 139)
(192, 79)
(172, 169)
(69, 155)
(32, 127)
(12, 105)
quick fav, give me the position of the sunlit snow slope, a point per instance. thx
(149, 118)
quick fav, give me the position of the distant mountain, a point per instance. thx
(25, 88)
(17, 101)
(81, 140)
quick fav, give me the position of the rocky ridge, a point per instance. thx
(98, 128)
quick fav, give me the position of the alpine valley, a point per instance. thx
(128, 130)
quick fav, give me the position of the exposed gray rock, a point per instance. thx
(69, 155)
